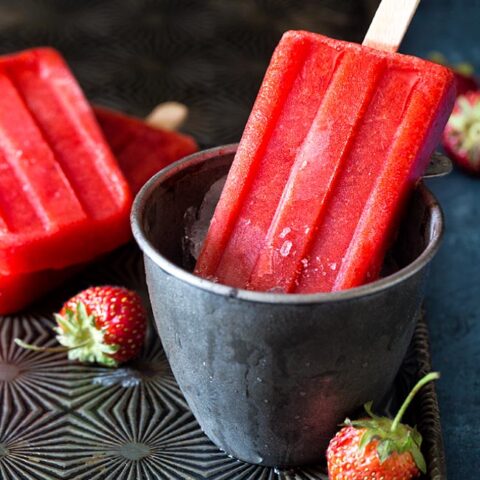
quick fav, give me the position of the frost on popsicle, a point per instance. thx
(197, 220)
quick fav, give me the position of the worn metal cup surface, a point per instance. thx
(270, 376)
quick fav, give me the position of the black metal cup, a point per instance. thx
(270, 376)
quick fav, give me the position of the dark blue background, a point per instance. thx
(453, 304)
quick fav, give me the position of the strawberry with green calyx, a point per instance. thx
(104, 325)
(378, 447)
(461, 137)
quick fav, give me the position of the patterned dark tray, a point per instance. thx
(61, 420)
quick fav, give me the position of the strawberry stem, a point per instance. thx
(423, 381)
(35, 348)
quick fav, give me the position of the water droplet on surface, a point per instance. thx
(276, 290)
(285, 232)
(302, 394)
(286, 247)
(204, 364)
(265, 401)
(132, 376)
(333, 266)
(259, 380)
(307, 364)
(285, 472)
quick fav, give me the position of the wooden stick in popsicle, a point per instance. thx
(390, 23)
(168, 115)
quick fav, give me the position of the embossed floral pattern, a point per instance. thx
(61, 419)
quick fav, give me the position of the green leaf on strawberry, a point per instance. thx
(79, 333)
(104, 325)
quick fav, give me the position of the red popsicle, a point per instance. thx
(338, 136)
(63, 198)
(18, 291)
(141, 151)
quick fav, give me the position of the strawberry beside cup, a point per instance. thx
(461, 137)
(378, 448)
(104, 325)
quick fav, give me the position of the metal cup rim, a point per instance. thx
(384, 283)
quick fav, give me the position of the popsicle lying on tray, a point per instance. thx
(63, 198)
(141, 151)
(338, 136)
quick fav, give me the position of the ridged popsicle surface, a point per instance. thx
(141, 150)
(60, 185)
(338, 136)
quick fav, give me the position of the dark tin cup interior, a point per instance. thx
(270, 376)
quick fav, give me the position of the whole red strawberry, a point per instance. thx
(461, 137)
(465, 83)
(378, 448)
(104, 325)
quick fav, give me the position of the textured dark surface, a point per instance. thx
(211, 54)
(208, 54)
(61, 420)
(453, 301)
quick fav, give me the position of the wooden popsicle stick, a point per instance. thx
(390, 23)
(168, 115)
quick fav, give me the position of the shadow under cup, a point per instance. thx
(270, 376)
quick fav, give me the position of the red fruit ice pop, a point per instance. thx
(338, 136)
(18, 291)
(141, 151)
(63, 198)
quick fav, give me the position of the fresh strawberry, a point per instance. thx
(465, 83)
(104, 325)
(378, 448)
(461, 137)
